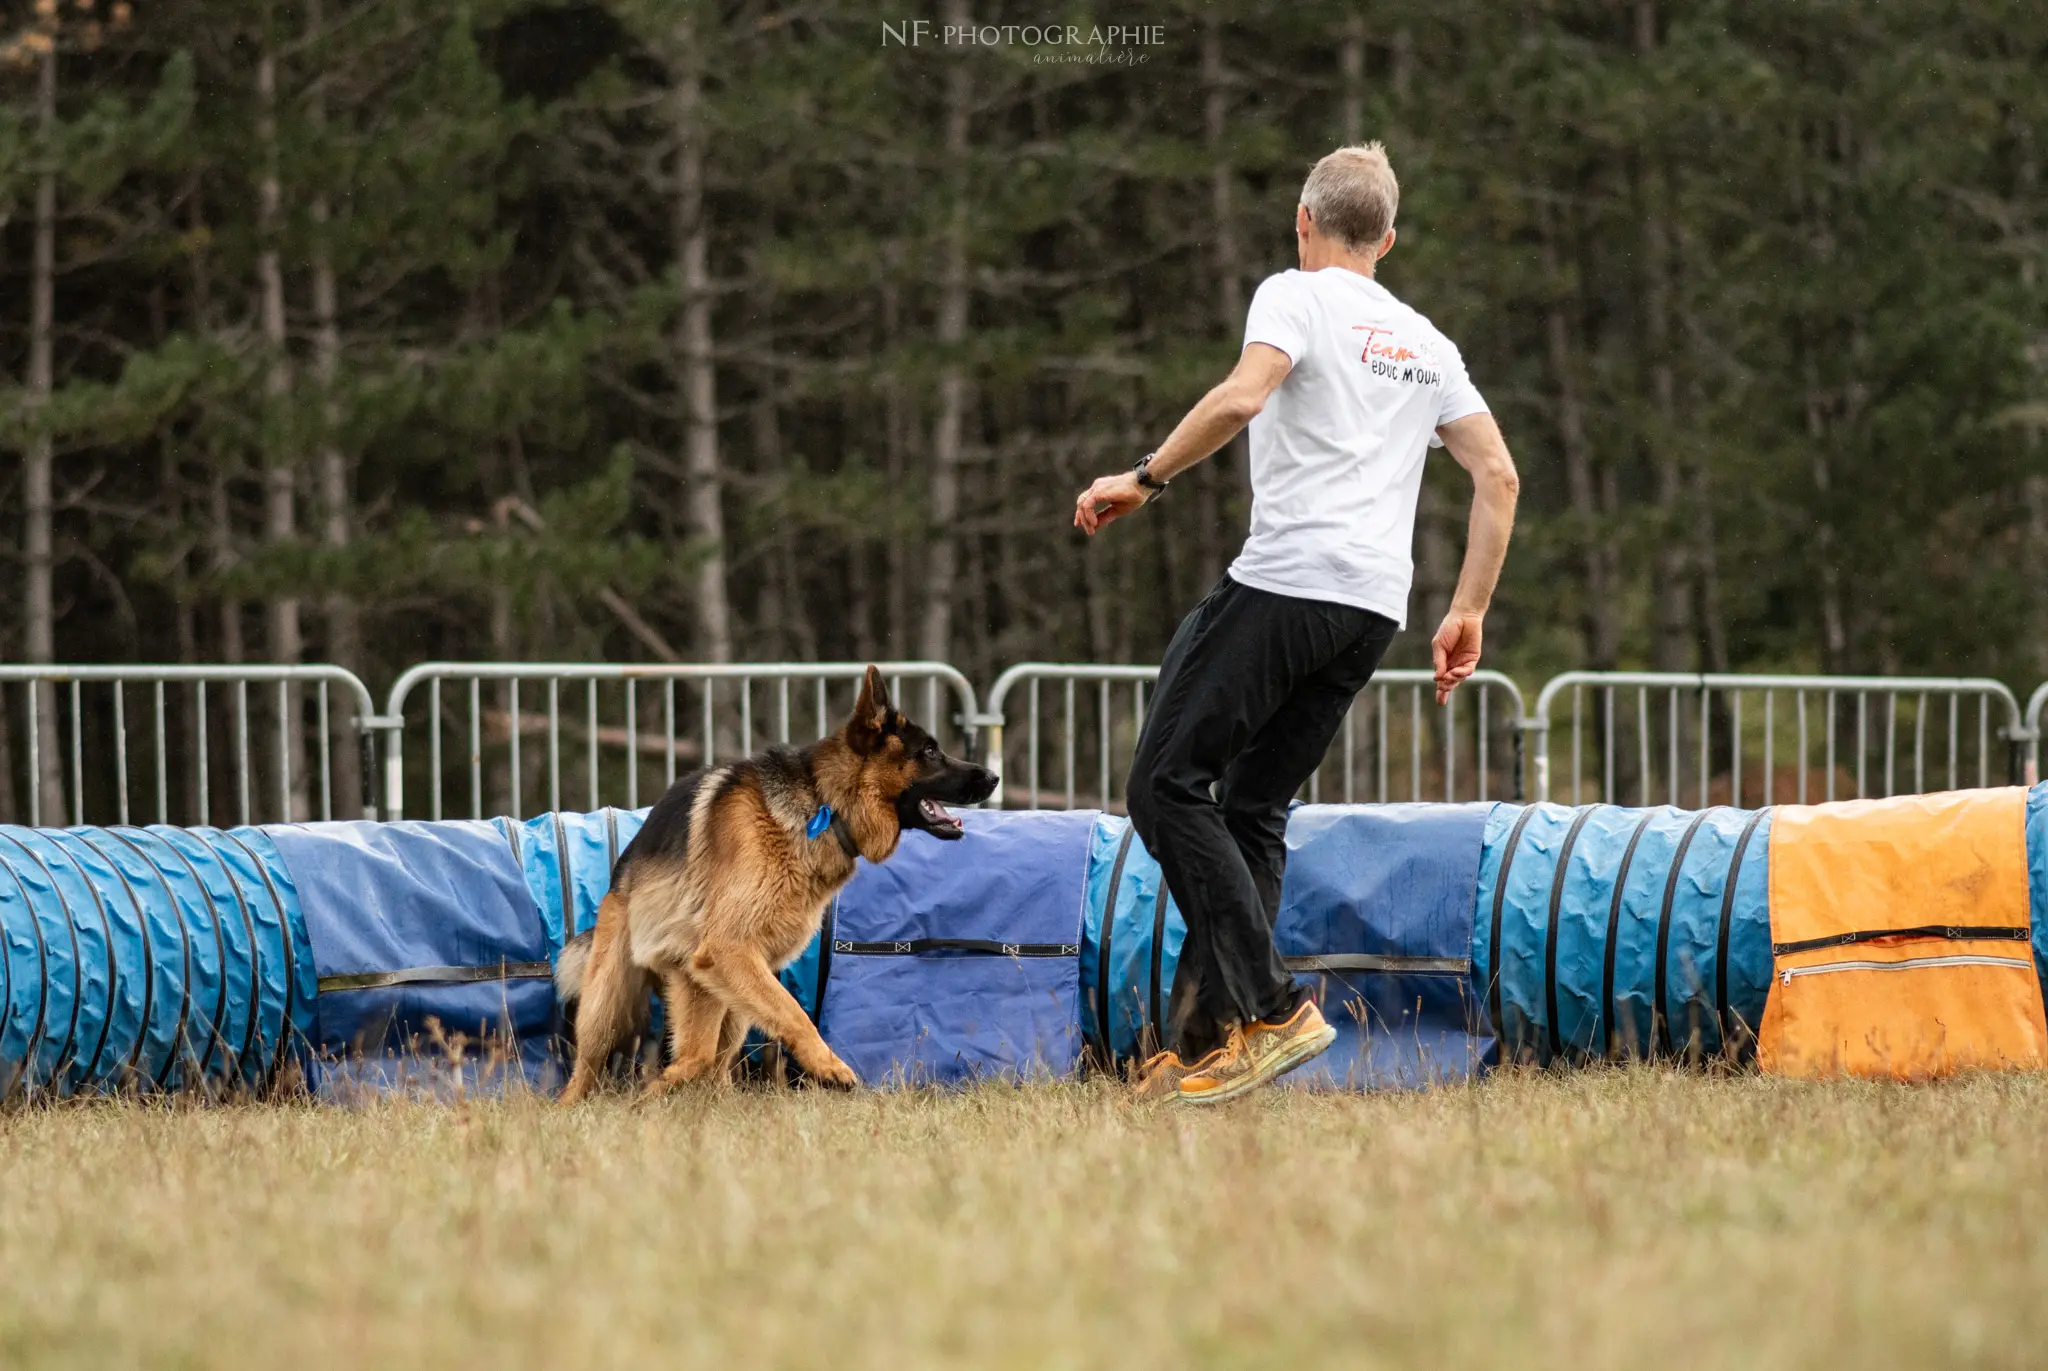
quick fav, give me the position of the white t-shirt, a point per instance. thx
(1337, 452)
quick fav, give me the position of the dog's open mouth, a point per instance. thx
(939, 819)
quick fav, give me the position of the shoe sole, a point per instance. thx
(1300, 1052)
(1155, 1096)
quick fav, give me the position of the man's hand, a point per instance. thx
(1110, 498)
(1216, 418)
(1455, 650)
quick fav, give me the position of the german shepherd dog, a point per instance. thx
(728, 881)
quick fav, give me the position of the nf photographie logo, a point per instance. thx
(1099, 44)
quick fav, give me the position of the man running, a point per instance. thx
(1345, 389)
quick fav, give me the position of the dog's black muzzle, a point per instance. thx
(923, 805)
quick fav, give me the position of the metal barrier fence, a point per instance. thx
(1388, 738)
(1643, 754)
(620, 752)
(242, 744)
(193, 733)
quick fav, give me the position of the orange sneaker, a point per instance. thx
(1257, 1053)
(1162, 1074)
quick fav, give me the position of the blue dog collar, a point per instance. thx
(825, 821)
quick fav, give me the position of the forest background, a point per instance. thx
(373, 331)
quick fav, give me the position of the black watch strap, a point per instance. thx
(1142, 469)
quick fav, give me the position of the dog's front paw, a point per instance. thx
(835, 1074)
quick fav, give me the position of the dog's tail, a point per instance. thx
(570, 966)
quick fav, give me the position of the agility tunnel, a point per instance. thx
(1900, 938)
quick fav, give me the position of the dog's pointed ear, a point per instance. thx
(871, 713)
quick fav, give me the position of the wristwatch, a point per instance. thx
(1142, 469)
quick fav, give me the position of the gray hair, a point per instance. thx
(1352, 195)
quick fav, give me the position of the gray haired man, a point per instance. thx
(1345, 389)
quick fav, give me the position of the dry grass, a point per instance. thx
(1627, 1219)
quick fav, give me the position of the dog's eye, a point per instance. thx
(931, 749)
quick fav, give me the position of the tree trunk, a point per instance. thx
(2035, 493)
(2034, 486)
(505, 648)
(39, 635)
(1097, 573)
(1351, 65)
(941, 569)
(1713, 629)
(233, 649)
(899, 425)
(344, 618)
(1834, 627)
(794, 636)
(1673, 646)
(1601, 622)
(1230, 465)
(188, 653)
(280, 475)
(220, 539)
(8, 815)
(697, 378)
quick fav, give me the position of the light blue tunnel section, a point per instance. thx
(152, 959)
(1130, 945)
(1644, 932)
(2037, 873)
(567, 860)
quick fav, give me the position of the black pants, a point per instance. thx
(1253, 688)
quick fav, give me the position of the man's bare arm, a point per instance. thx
(1216, 418)
(1476, 444)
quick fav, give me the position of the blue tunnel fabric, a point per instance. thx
(171, 958)
(1375, 917)
(60, 985)
(257, 978)
(273, 900)
(901, 998)
(1130, 944)
(567, 860)
(417, 927)
(158, 959)
(2037, 875)
(1621, 930)
(191, 962)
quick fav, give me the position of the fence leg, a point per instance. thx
(368, 742)
(992, 757)
(1532, 736)
(394, 766)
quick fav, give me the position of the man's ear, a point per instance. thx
(1386, 244)
(871, 713)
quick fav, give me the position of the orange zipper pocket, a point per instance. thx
(1791, 973)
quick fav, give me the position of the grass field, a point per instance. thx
(1628, 1219)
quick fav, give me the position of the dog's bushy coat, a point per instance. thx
(723, 886)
